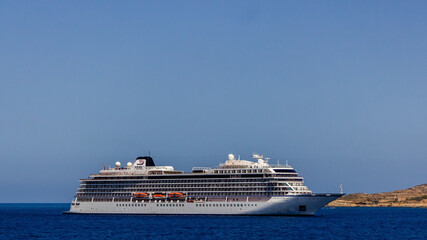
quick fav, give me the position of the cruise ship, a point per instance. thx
(236, 187)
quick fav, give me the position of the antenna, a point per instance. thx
(341, 188)
(149, 153)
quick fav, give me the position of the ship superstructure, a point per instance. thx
(235, 187)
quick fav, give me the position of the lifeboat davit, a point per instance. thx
(159, 196)
(140, 195)
(176, 195)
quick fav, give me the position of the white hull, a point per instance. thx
(286, 205)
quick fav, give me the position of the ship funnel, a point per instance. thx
(148, 161)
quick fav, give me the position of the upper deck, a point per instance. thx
(145, 166)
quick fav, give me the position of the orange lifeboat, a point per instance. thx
(176, 195)
(159, 196)
(140, 195)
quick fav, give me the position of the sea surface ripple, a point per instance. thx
(46, 221)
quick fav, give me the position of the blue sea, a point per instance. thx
(46, 221)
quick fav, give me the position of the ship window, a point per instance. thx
(302, 208)
(285, 170)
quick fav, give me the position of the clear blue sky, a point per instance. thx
(337, 88)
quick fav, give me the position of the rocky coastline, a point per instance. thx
(411, 197)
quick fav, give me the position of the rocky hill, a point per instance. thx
(411, 197)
